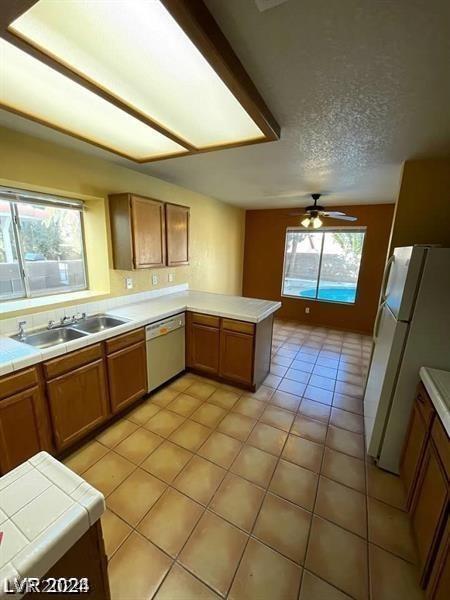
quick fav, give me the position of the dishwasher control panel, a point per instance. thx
(165, 326)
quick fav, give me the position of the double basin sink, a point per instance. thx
(45, 338)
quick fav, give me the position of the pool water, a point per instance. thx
(335, 294)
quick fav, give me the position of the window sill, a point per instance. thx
(9, 308)
(306, 299)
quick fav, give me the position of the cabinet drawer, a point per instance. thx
(208, 320)
(63, 364)
(122, 341)
(425, 405)
(239, 326)
(16, 382)
(442, 444)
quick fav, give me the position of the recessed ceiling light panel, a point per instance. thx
(32, 89)
(137, 52)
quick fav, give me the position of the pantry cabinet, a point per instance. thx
(236, 352)
(23, 419)
(77, 394)
(425, 471)
(127, 369)
(148, 233)
(138, 231)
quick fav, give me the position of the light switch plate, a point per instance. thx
(170, 277)
(129, 283)
(154, 279)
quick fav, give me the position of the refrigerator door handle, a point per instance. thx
(377, 321)
(384, 282)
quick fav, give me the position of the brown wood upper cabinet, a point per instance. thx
(127, 369)
(148, 233)
(177, 232)
(24, 427)
(138, 231)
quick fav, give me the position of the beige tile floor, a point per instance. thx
(212, 492)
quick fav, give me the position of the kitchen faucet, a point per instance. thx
(22, 335)
(65, 321)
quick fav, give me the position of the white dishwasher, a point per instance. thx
(165, 350)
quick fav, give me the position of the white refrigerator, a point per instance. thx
(412, 329)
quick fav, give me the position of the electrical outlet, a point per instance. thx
(154, 279)
(129, 283)
(307, 310)
(170, 277)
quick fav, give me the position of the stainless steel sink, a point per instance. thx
(50, 337)
(98, 323)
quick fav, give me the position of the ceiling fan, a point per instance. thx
(314, 212)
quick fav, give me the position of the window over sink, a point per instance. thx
(42, 247)
(323, 265)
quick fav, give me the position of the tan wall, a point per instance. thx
(263, 266)
(422, 214)
(217, 229)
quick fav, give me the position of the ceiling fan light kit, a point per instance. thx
(312, 217)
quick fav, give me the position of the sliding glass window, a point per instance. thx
(323, 265)
(41, 245)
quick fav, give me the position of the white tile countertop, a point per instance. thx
(15, 355)
(437, 384)
(45, 508)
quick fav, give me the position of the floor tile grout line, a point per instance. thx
(245, 442)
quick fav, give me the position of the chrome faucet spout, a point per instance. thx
(22, 334)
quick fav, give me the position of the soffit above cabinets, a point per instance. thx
(147, 79)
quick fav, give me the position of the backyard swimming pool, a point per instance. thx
(330, 291)
(335, 294)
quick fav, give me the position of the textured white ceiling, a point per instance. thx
(358, 86)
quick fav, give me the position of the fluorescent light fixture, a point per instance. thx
(32, 89)
(136, 51)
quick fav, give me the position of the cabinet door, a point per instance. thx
(20, 428)
(438, 587)
(78, 402)
(413, 452)
(127, 376)
(429, 508)
(203, 348)
(148, 230)
(236, 357)
(177, 232)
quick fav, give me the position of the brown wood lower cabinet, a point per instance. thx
(237, 352)
(413, 452)
(78, 402)
(22, 423)
(236, 356)
(429, 507)
(424, 471)
(439, 585)
(203, 348)
(127, 376)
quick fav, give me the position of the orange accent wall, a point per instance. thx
(265, 232)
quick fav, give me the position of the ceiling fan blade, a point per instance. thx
(330, 213)
(341, 217)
